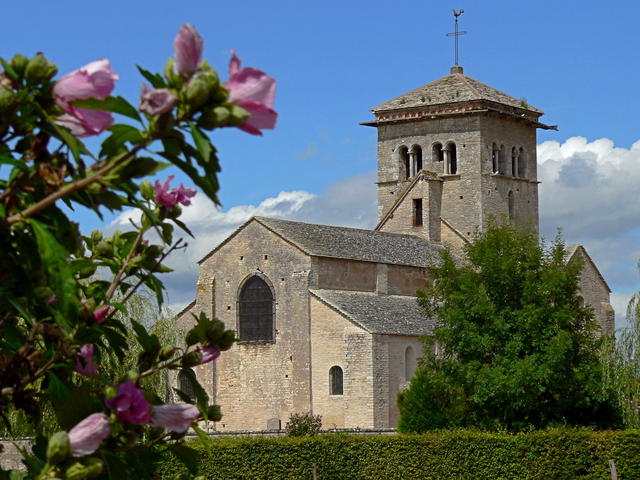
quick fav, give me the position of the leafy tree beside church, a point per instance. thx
(515, 348)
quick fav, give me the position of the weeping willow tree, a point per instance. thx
(141, 308)
(621, 357)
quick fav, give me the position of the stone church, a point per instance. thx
(326, 316)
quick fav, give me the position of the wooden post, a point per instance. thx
(612, 466)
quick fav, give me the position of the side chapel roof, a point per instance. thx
(382, 314)
(355, 243)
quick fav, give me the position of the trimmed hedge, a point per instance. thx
(558, 454)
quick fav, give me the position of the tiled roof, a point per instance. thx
(382, 314)
(355, 243)
(453, 88)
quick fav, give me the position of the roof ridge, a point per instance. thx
(469, 84)
(367, 230)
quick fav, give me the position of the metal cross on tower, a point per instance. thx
(456, 33)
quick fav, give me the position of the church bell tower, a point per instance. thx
(453, 153)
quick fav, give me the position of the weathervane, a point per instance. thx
(456, 33)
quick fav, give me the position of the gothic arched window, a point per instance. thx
(405, 162)
(409, 363)
(255, 311)
(184, 383)
(335, 380)
(495, 153)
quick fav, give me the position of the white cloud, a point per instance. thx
(591, 191)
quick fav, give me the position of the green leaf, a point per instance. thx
(155, 79)
(188, 456)
(109, 104)
(7, 160)
(57, 389)
(55, 260)
(202, 399)
(202, 142)
(120, 134)
(204, 438)
(8, 69)
(75, 145)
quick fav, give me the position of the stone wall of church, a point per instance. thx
(341, 274)
(596, 294)
(495, 188)
(404, 280)
(256, 383)
(393, 370)
(338, 341)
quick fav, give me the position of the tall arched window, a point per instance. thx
(437, 153)
(522, 164)
(495, 153)
(409, 363)
(514, 162)
(255, 311)
(405, 162)
(416, 150)
(335, 380)
(184, 384)
(512, 207)
(452, 160)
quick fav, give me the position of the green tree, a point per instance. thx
(517, 347)
(622, 365)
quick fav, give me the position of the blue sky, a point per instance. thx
(333, 60)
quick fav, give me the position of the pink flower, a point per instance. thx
(156, 102)
(177, 418)
(254, 91)
(169, 198)
(86, 436)
(99, 314)
(209, 353)
(89, 369)
(187, 46)
(94, 80)
(130, 404)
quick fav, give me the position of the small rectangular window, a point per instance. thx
(417, 212)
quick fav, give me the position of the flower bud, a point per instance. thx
(200, 87)
(19, 63)
(78, 471)
(132, 375)
(110, 392)
(227, 340)
(217, 117)
(238, 116)
(175, 81)
(214, 413)
(191, 359)
(58, 448)
(7, 98)
(96, 236)
(166, 353)
(161, 125)
(94, 466)
(147, 191)
(37, 69)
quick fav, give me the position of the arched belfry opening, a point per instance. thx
(416, 159)
(514, 162)
(451, 158)
(256, 311)
(495, 155)
(502, 161)
(522, 164)
(405, 162)
(437, 153)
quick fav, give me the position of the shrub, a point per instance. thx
(303, 424)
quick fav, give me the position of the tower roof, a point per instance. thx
(454, 93)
